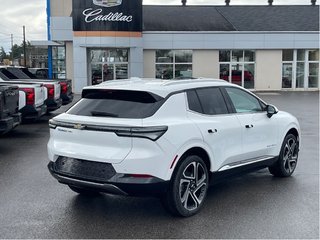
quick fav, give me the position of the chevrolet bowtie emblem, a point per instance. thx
(78, 126)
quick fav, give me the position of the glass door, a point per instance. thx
(287, 75)
(121, 71)
(236, 74)
(108, 64)
(313, 75)
(107, 71)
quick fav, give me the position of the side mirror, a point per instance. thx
(271, 110)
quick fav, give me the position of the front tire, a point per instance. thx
(287, 161)
(188, 187)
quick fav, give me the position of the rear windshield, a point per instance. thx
(5, 74)
(28, 73)
(117, 104)
(18, 72)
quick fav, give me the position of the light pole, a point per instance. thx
(24, 47)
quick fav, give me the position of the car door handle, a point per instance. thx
(212, 131)
(249, 126)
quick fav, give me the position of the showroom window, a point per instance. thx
(238, 67)
(172, 64)
(59, 62)
(108, 64)
(300, 68)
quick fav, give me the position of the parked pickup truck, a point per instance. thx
(31, 98)
(53, 101)
(66, 84)
(9, 104)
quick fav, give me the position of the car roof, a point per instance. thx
(159, 86)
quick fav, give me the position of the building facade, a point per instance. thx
(257, 47)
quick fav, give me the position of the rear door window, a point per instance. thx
(194, 102)
(207, 101)
(117, 104)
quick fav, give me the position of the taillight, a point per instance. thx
(64, 87)
(50, 88)
(30, 95)
(152, 133)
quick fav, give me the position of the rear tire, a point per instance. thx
(287, 161)
(83, 191)
(188, 187)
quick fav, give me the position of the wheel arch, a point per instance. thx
(293, 131)
(196, 150)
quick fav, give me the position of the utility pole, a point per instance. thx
(11, 49)
(24, 46)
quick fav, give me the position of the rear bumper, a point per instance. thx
(66, 98)
(53, 104)
(31, 112)
(119, 184)
(9, 123)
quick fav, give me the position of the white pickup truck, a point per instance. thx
(53, 88)
(31, 98)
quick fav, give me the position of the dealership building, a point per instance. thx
(270, 47)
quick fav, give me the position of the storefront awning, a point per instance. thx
(45, 43)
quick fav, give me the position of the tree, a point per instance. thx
(3, 54)
(17, 51)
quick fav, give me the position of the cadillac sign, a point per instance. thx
(107, 15)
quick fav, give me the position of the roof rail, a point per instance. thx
(122, 81)
(196, 80)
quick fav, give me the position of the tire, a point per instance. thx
(84, 191)
(288, 158)
(188, 187)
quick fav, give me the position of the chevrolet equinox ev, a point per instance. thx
(168, 138)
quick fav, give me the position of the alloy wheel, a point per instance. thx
(290, 155)
(193, 185)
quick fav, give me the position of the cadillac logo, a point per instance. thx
(107, 3)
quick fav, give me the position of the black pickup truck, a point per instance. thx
(9, 107)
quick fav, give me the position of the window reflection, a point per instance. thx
(108, 64)
(173, 64)
(242, 67)
(59, 62)
(287, 55)
(287, 75)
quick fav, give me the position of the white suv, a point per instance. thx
(168, 138)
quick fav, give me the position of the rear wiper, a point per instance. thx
(103, 114)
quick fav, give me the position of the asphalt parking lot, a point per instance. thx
(257, 205)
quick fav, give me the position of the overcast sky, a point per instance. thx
(32, 13)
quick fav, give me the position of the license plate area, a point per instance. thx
(83, 169)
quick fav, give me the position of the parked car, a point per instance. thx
(31, 98)
(168, 138)
(9, 102)
(42, 73)
(236, 78)
(53, 100)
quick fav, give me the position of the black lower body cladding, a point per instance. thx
(31, 112)
(102, 177)
(53, 104)
(9, 123)
(66, 98)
